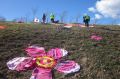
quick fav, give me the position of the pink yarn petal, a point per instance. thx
(99, 38)
(20, 63)
(67, 67)
(25, 65)
(41, 73)
(93, 36)
(57, 53)
(34, 51)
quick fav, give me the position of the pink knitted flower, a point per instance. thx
(97, 38)
(42, 63)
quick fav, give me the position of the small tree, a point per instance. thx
(114, 21)
(34, 12)
(62, 16)
(14, 20)
(2, 19)
(77, 18)
(47, 16)
(27, 17)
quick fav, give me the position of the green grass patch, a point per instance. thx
(98, 59)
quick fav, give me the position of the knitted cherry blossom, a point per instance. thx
(42, 63)
(95, 37)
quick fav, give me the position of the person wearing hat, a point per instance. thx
(86, 20)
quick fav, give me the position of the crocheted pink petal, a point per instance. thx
(67, 67)
(20, 63)
(57, 53)
(34, 51)
(41, 73)
(98, 38)
(93, 36)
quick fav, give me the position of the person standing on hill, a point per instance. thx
(44, 18)
(52, 17)
(86, 20)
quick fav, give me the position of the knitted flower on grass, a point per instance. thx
(42, 63)
(95, 37)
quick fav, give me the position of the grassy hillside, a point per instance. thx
(98, 59)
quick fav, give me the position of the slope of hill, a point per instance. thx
(98, 59)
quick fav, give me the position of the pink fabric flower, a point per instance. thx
(97, 38)
(43, 63)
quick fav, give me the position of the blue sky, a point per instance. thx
(11, 9)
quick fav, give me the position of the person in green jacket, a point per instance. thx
(86, 20)
(52, 17)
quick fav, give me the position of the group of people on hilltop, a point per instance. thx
(86, 19)
(52, 18)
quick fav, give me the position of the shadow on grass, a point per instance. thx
(2, 76)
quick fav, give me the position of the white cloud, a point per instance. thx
(92, 9)
(108, 8)
(118, 24)
(98, 16)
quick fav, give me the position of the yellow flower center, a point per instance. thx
(45, 62)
